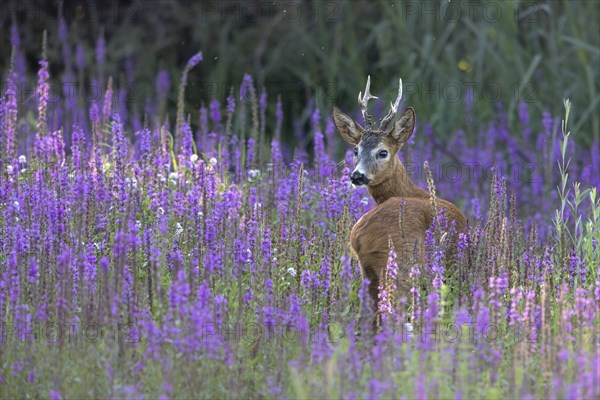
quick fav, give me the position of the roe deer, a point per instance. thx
(379, 168)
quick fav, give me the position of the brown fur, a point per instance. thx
(369, 237)
(393, 191)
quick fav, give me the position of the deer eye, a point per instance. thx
(356, 151)
(382, 154)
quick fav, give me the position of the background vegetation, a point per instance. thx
(499, 53)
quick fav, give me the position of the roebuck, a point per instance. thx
(404, 211)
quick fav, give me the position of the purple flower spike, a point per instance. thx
(195, 60)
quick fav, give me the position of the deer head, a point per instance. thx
(375, 148)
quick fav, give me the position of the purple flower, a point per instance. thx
(195, 60)
(94, 113)
(524, 120)
(120, 142)
(321, 348)
(269, 317)
(247, 84)
(387, 292)
(276, 156)
(577, 268)
(250, 153)
(215, 113)
(262, 101)
(62, 29)
(108, 100)
(347, 273)
(547, 122)
(43, 92)
(187, 140)
(80, 57)
(528, 316)
(145, 143)
(420, 386)
(513, 312)
(316, 119)
(179, 292)
(10, 110)
(278, 117)
(597, 288)
(100, 51)
(230, 105)
(430, 317)
(414, 274)
(498, 287)
(104, 264)
(462, 317)
(377, 388)
(325, 274)
(15, 40)
(163, 83)
(475, 207)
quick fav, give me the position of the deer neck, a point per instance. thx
(398, 184)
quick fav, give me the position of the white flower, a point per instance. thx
(291, 271)
(22, 159)
(212, 161)
(364, 201)
(173, 176)
(16, 204)
(161, 178)
(9, 169)
(194, 158)
(161, 210)
(253, 174)
(179, 229)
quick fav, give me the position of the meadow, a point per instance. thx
(147, 259)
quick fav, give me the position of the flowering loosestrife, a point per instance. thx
(43, 92)
(387, 288)
(208, 244)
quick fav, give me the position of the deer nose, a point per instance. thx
(358, 178)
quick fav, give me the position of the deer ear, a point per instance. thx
(403, 128)
(350, 130)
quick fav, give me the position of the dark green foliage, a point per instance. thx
(501, 53)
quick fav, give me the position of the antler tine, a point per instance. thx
(393, 109)
(363, 100)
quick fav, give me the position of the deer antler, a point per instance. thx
(393, 109)
(363, 103)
